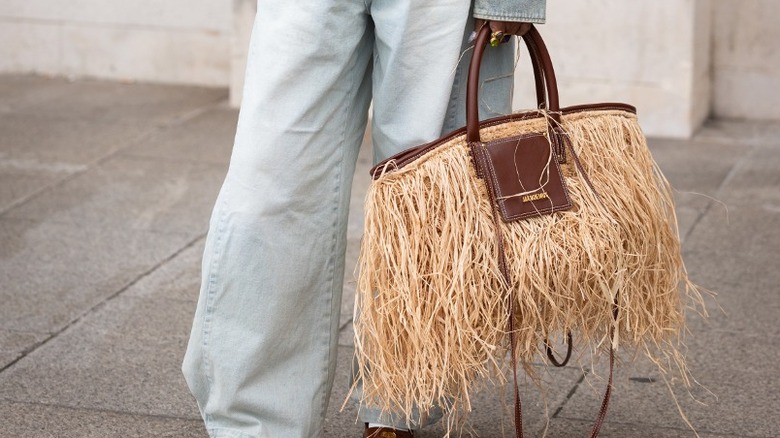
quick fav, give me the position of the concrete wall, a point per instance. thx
(244, 12)
(678, 61)
(746, 64)
(179, 41)
(653, 54)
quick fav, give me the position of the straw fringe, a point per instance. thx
(431, 307)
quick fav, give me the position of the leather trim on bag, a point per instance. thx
(403, 158)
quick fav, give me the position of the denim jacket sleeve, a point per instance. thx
(532, 11)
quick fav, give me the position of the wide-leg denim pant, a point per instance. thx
(262, 352)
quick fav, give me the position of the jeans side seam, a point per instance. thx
(339, 179)
(211, 293)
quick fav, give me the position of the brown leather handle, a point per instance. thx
(541, 91)
(551, 354)
(543, 72)
(543, 69)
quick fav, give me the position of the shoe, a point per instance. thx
(386, 432)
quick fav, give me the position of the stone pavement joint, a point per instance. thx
(569, 395)
(101, 304)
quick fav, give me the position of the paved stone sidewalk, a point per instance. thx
(105, 193)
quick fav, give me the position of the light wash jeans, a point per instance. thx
(262, 353)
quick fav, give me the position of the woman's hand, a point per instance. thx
(501, 30)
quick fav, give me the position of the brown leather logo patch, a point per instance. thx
(525, 177)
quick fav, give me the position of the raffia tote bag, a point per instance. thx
(509, 232)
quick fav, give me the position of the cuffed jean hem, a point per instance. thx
(218, 432)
